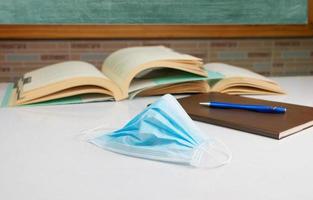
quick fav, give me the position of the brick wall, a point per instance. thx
(272, 57)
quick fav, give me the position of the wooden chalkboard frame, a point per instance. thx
(64, 31)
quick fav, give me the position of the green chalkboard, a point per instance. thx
(153, 12)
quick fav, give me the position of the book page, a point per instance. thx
(123, 62)
(229, 71)
(59, 72)
(178, 77)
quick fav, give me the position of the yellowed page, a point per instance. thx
(236, 78)
(120, 64)
(60, 72)
(69, 92)
(229, 71)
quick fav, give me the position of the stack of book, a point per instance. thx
(129, 72)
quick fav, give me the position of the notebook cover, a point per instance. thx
(276, 126)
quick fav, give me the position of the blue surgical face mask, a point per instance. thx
(164, 132)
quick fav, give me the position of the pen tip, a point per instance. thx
(205, 103)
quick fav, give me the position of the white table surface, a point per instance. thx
(44, 155)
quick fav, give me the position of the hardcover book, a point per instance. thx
(276, 126)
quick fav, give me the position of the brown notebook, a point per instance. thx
(271, 125)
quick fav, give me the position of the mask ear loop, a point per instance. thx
(206, 152)
(227, 151)
(88, 134)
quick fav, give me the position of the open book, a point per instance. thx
(229, 79)
(134, 71)
(123, 72)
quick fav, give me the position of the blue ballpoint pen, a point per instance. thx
(257, 108)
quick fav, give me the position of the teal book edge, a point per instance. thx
(7, 95)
